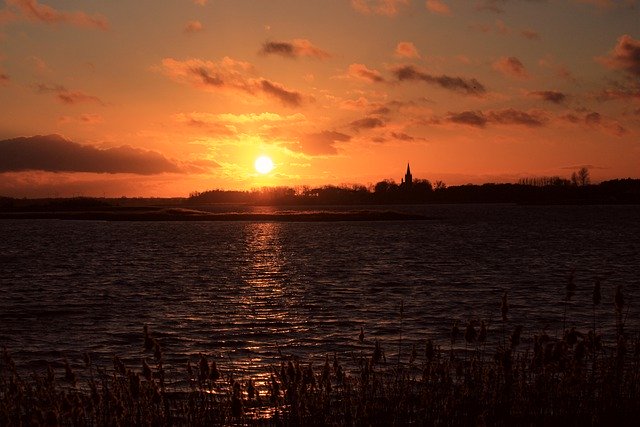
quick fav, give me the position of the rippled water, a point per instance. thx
(245, 291)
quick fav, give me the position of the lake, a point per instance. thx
(245, 292)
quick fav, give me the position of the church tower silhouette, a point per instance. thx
(408, 178)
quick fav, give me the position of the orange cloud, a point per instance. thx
(200, 2)
(193, 27)
(379, 7)
(549, 95)
(37, 12)
(4, 78)
(67, 96)
(54, 153)
(625, 56)
(228, 74)
(511, 67)
(367, 123)
(456, 84)
(508, 116)
(438, 6)
(321, 143)
(407, 50)
(361, 72)
(294, 49)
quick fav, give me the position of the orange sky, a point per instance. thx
(151, 98)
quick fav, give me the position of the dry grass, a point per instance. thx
(575, 380)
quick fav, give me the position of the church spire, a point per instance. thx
(408, 179)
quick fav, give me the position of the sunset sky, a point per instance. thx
(162, 98)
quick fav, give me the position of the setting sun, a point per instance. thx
(263, 165)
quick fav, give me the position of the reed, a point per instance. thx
(575, 379)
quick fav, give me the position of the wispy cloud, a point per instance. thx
(456, 84)
(438, 6)
(379, 7)
(361, 72)
(549, 96)
(193, 27)
(54, 153)
(511, 67)
(508, 116)
(321, 143)
(407, 50)
(67, 96)
(367, 123)
(37, 12)
(294, 49)
(595, 120)
(228, 74)
(625, 56)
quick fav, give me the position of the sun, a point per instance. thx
(263, 164)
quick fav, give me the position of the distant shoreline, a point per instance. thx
(178, 214)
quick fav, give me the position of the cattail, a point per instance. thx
(504, 307)
(118, 365)
(482, 336)
(597, 296)
(429, 351)
(571, 285)
(148, 341)
(87, 360)
(470, 333)
(412, 357)
(361, 336)
(146, 370)
(69, 376)
(454, 332)
(214, 373)
(515, 336)
(619, 299)
(571, 337)
(377, 353)
(204, 368)
(251, 389)
(157, 353)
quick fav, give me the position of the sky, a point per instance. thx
(161, 99)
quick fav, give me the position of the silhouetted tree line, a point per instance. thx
(545, 190)
(549, 190)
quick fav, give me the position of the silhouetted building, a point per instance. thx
(408, 178)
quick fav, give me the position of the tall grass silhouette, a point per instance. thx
(577, 378)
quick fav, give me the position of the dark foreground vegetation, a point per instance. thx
(575, 379)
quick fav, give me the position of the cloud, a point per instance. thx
(379, 7)
(625, 56)
(595, 120)
(438, 6)
(227, 75)
(530, 34)
(321, 143)
(407, 50)
(549, 95)
(54, 153)
(609, 4)
(200, 2)
(193, 27)
(87, 118)
(367, 123)
(361, 72)
(471, 118)
(287, 97)
(508, 116)
(4, 78)
(66, 96)
(511, 116)
(511, 67)
(294, 49)
(456, 84)
(37, 12)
